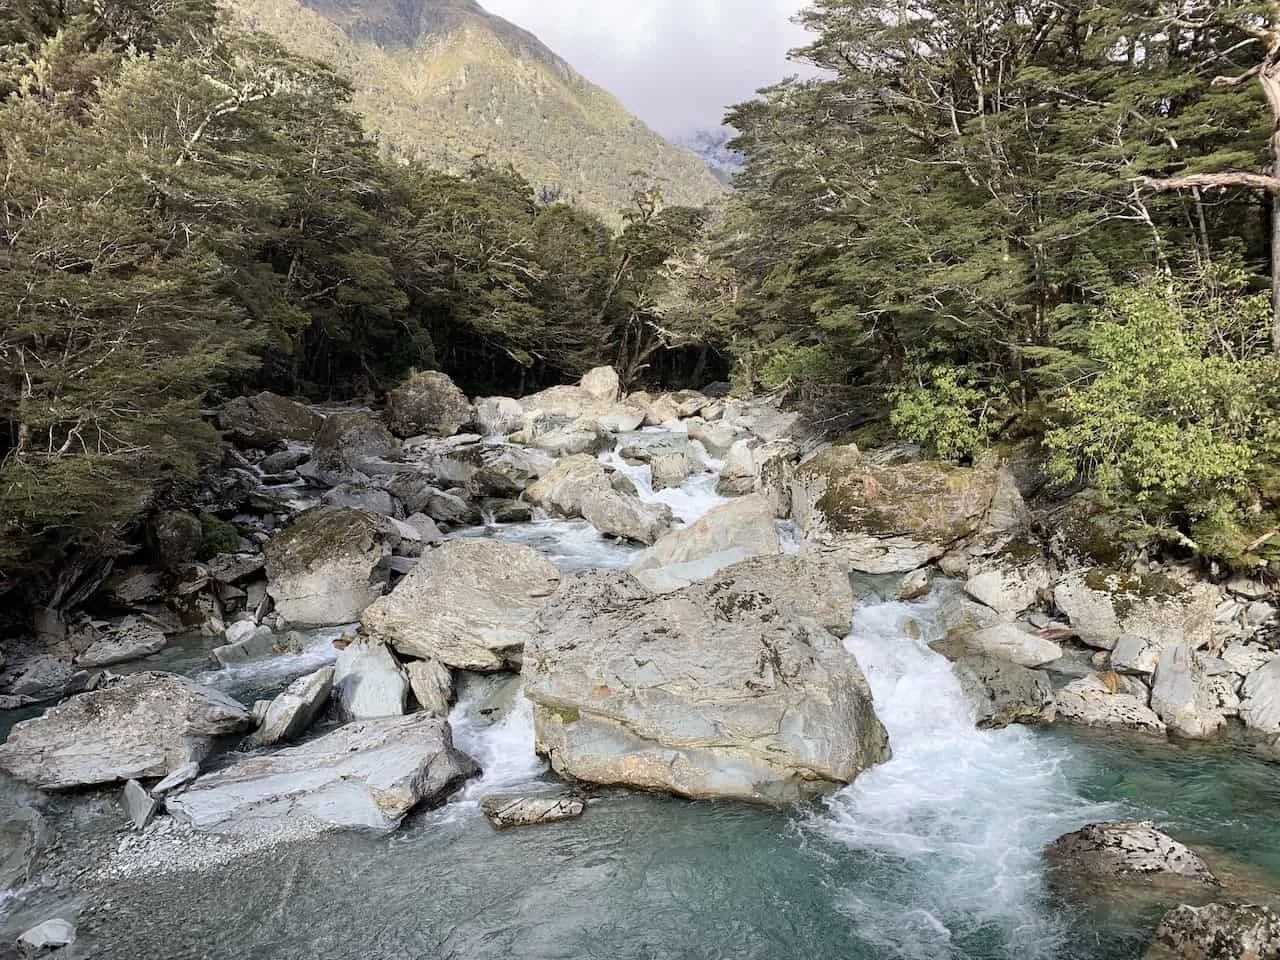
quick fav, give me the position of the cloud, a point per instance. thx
(677, 64)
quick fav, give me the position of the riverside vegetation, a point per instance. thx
(996, 308)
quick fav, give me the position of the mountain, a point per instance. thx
(713, 147)
(444, 81)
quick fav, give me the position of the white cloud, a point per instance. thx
(675, 63)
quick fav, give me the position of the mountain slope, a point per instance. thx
(444, 81)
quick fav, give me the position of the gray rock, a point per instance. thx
(41, 677)
(136, 727)
(738, 475)
(177, 780)
(581, 487)
(508, 511)
(23, 833)
(729, 534)
(1004, 641)
(1136, 655)
(582, 436)
(369, 682)
(291, 713)
(358, 496)
(1127, 850)
(285, 461)
(671, 470)
(506, 472)
(775, 465)
(1260, 698)
(718, 438)
(1247, 588)
(1005, 693)
(50, 935)
(1217, 931)
(451, 508)
(128, 640)
(135, 585)
(499, 416)
(915, 584)
(346, 444)
(803, 587)
(602, 383)
(266, 419)
(329, 565)
(365, 775)
(251, 643)
(175, 536)
(504, 812)
(432, 685)
(1180, 695)
(887, 518)
(1245, 658)
(139, 804)
(1104, 605)
(1006, 583)
(695, 694)
(1089, 702)
(428, 403)
(471, 604)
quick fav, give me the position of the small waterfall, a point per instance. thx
(954, 823)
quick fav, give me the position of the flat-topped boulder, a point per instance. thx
(131, 639)
(428, 403)
(471, 604)
(347, 443)
(326, 567)
(505, 812)
(1093, 702)
(696, 694)
(1127, 850)
(1003, 693)
(267, 419)
(730, 533)
(366, 775)
(1104, 605)
(888, 518)
(130, 728)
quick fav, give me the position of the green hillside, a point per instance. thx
(445, 81)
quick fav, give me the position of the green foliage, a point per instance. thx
(1181, 414)
(219, 537)
(945, 411)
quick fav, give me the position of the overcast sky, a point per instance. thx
(675, 63)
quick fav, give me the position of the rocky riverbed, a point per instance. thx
(646, 676)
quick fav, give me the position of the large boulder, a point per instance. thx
(361, 496)
(1181, 696)
(1003, 693)
(507, 471)
(175, 536)
(369, 682)
(581, 487)
(602, 384)
(346, 444)
(293, 711)
(470, 604)
(729, 534)
(1004, 641)
(1217, 931)
(888, 518)
(329, 565)
(504, 812)
(131, 639)
(1010, 581)
(699, 695)
(23, 832)
(364, 775)
(1260, 698)
(1105, 604)
(738, 475)
(1092, 702)
(432, 685)
(670, 470)
(428, 403)
(267, 419)
(808, 587)
(498, 416)
(134, 727)
(718, 438)
(584, 435)
(1127, 850)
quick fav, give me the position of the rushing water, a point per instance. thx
(932, 855)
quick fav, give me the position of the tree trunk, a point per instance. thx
(1270, 77)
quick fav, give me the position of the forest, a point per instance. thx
(981, 224)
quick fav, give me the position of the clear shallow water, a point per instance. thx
(934, 854)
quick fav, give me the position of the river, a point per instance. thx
(932, 855)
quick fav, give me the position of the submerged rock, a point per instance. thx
(1127, 850)
(729, 534)
(887, 518)
(365, 775)
(1104, 605)
(695, 694)
(329, 565)
(471, 604)
(135, 727)
(1217, 931)
(504, 812)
